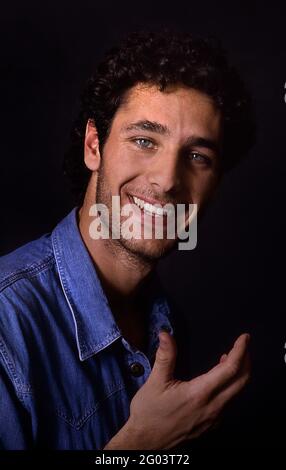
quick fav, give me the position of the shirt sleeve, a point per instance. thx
(15, 422)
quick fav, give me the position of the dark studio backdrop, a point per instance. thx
(234, 281)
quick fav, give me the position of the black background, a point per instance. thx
(234, 280)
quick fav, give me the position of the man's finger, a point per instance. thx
(224, 372)
(165, 360)
(223, 358)
(235, 386)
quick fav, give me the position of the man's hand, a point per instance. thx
(165, 411)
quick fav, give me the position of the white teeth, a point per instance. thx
(149, 208)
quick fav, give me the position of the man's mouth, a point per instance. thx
(149, 208)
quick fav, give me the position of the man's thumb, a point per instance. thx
(165, 360)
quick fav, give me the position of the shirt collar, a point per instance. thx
(95, 326)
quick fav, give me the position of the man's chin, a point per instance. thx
(149, 250)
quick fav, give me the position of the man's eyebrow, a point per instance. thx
(203, 142)
(146, 125)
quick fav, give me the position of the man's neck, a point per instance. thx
(125, 279)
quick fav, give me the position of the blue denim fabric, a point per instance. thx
(65, 379)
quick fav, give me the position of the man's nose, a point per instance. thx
(165, 173)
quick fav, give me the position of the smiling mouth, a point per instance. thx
(148, 208)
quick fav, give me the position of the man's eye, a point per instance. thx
(144, 143)
(198, 157)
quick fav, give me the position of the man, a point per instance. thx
(86, 334)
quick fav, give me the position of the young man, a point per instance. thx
(86, 334)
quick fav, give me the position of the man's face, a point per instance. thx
(163, 147)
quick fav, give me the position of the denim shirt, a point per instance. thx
(67, 375)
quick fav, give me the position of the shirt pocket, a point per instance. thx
(99, 402)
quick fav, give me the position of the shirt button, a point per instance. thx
(137, 369)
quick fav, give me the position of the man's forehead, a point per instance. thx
(176, 107)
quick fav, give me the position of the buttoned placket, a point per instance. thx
(137, 363)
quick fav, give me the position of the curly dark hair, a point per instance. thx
(162, 58)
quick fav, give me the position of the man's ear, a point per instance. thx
(91, 147)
